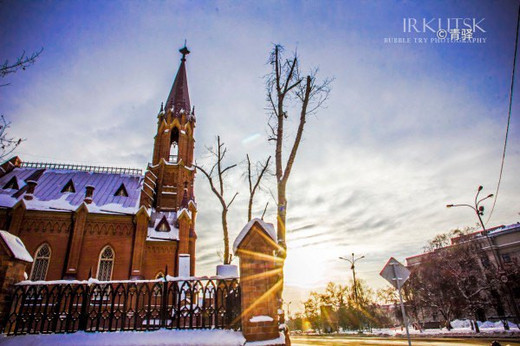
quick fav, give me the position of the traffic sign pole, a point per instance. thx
(405, 319)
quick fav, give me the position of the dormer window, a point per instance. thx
(121, 191)
(69, 187)
(163, 225)
(12, 184)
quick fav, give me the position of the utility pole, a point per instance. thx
(352, 262)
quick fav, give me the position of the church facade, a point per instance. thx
(110, 223)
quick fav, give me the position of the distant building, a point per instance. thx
(110, 223)
(500, 247)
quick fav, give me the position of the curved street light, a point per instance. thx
(477, 208)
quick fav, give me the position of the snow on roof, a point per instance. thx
(48, 195)
(267, 227)
(185, 211)
(261, 318)
(500, 229)
(16, 246)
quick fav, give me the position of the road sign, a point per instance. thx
(395, 273)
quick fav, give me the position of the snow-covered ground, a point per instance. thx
(460, 327)
(161, 337)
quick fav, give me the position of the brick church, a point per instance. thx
(110, 223)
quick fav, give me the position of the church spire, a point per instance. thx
(179, 97)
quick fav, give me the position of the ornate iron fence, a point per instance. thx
(125, 305)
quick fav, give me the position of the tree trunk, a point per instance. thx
(281, 215)
(448, 325)
(227, 259)
(249, 210)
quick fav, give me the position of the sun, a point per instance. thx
(307, 266)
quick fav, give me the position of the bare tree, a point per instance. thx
(253, 187)
(286, 88)
(7, 144)
(218, 190)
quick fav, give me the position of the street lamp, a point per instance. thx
(353, 267)
(477, 208)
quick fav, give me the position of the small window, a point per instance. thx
(41, 263)
(121, 191)
(69, 187)
(163, 225)
(12, 184)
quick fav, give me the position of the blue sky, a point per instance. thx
(408, 128)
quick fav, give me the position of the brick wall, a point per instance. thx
(259, 283)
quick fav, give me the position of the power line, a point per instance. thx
(508, 119)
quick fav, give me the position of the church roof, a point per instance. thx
(179, 97)
(64, 190)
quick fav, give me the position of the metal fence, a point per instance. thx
(85, 168)
(126, 305)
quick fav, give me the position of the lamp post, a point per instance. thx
(479, 210)
(352, 262)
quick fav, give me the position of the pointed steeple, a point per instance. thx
(179, 97)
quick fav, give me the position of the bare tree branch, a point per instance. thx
(232, 199)
(254, 187)
(265, 209)
(22, 62)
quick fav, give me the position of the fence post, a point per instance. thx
(12, 270)
(164, 299)
(85, 302)
(259, 280)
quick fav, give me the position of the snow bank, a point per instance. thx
(457, 324)
(460, 328)
(160, 337)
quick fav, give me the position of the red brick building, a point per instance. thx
(112, 223)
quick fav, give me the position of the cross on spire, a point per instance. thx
(184, 51)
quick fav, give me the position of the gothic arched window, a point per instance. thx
(174, 145)
(41, 263)
(106, 264)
